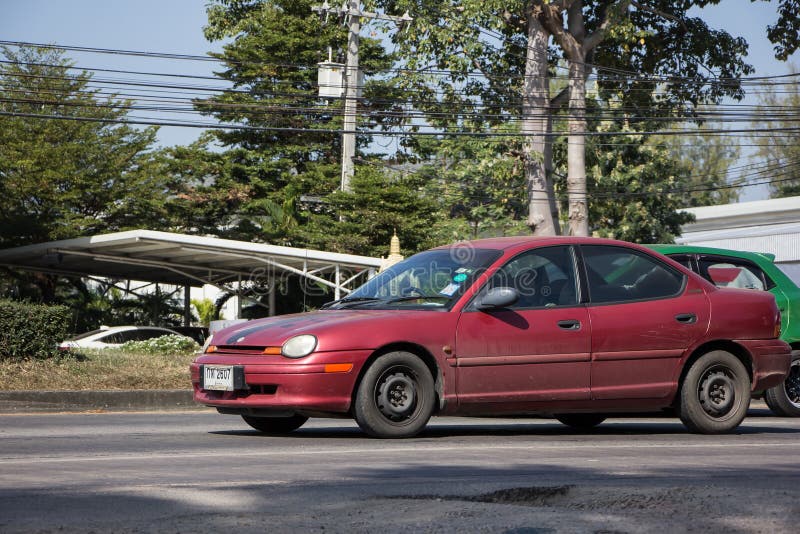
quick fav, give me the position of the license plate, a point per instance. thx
(217, 377)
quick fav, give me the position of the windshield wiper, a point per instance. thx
(417, 297)
(351, 300)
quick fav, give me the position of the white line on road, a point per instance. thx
(416, 449)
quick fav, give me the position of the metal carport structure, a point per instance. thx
(190, 261)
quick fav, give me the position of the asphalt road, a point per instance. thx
(204, 472)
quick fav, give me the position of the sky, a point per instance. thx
(176, 26)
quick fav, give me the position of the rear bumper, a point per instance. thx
(287, 387)
(771, 360)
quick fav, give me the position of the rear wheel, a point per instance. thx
(395, 398)
(581, 421)
(715, 393)
(784, 399)
(275, 425)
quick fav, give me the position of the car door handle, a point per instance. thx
(686, 318)
(569, 324)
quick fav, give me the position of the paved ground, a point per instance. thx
(204, 472)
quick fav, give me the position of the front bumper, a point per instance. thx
(771, 361)
(317, 383)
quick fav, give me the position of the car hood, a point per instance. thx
(335, 329)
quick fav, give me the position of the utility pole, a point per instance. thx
(351, 12)
(350, 95)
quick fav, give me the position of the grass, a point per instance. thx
(98, 369)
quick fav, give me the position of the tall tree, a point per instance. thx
(631, 47)
(66, 168)
(282, 157)
(64, 172)
(636, 184)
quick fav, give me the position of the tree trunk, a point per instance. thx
(576, 149)
(549, 175)
(535, 113)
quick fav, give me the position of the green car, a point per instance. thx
(752, 270)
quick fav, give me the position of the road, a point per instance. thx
(203, 472)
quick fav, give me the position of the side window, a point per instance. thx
(543, 277)
(113, 338)
(617, 274)
(683, 259)
(127, 335)
(143, 335)
(730, 273)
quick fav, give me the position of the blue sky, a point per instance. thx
(176, 26)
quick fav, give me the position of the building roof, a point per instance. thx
(770, 226)
(183, 259)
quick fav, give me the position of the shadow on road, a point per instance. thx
(538, 428)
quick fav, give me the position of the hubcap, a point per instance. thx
(396, 394)
(792, 384)
(717, 393)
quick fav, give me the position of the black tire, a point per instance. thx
(715, 393)
(784, 399)
(395, 398)
(275, 425)
(581, 421)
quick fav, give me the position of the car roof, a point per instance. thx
(691, 249)
(503, 243)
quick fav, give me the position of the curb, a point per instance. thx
(108, 400)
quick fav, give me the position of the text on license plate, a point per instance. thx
(218, 377)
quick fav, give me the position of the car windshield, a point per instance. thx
(431, 279)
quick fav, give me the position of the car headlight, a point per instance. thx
(299, 346)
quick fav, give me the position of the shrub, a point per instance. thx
(166, 345)
(31, 330)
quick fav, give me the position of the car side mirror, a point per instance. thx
(498, 297)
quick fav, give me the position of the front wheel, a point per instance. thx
(715, 393)
(275, 425)
(395, 398)
(784, 399)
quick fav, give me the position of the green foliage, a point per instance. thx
(206, 310)
(258, 189)
(476, 183)
(380, 203)
(635, 186)
(168, 345)
(785, 33)
(31, 330)
(707, 158)
(780, 151)
(60, 178)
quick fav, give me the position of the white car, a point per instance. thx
(114, 336)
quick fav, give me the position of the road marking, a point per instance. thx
(480, 447)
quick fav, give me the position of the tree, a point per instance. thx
(380, 203)
(470, 206)
(708, 159)
(636, 185)
(785, 33)
(66, 169)
(632, 45)
(283, 159)
(65, 178)
(206, 311)
(778, 113)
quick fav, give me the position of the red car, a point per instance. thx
(576, 328)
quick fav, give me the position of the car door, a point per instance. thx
(536, 349)
(644, 315)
